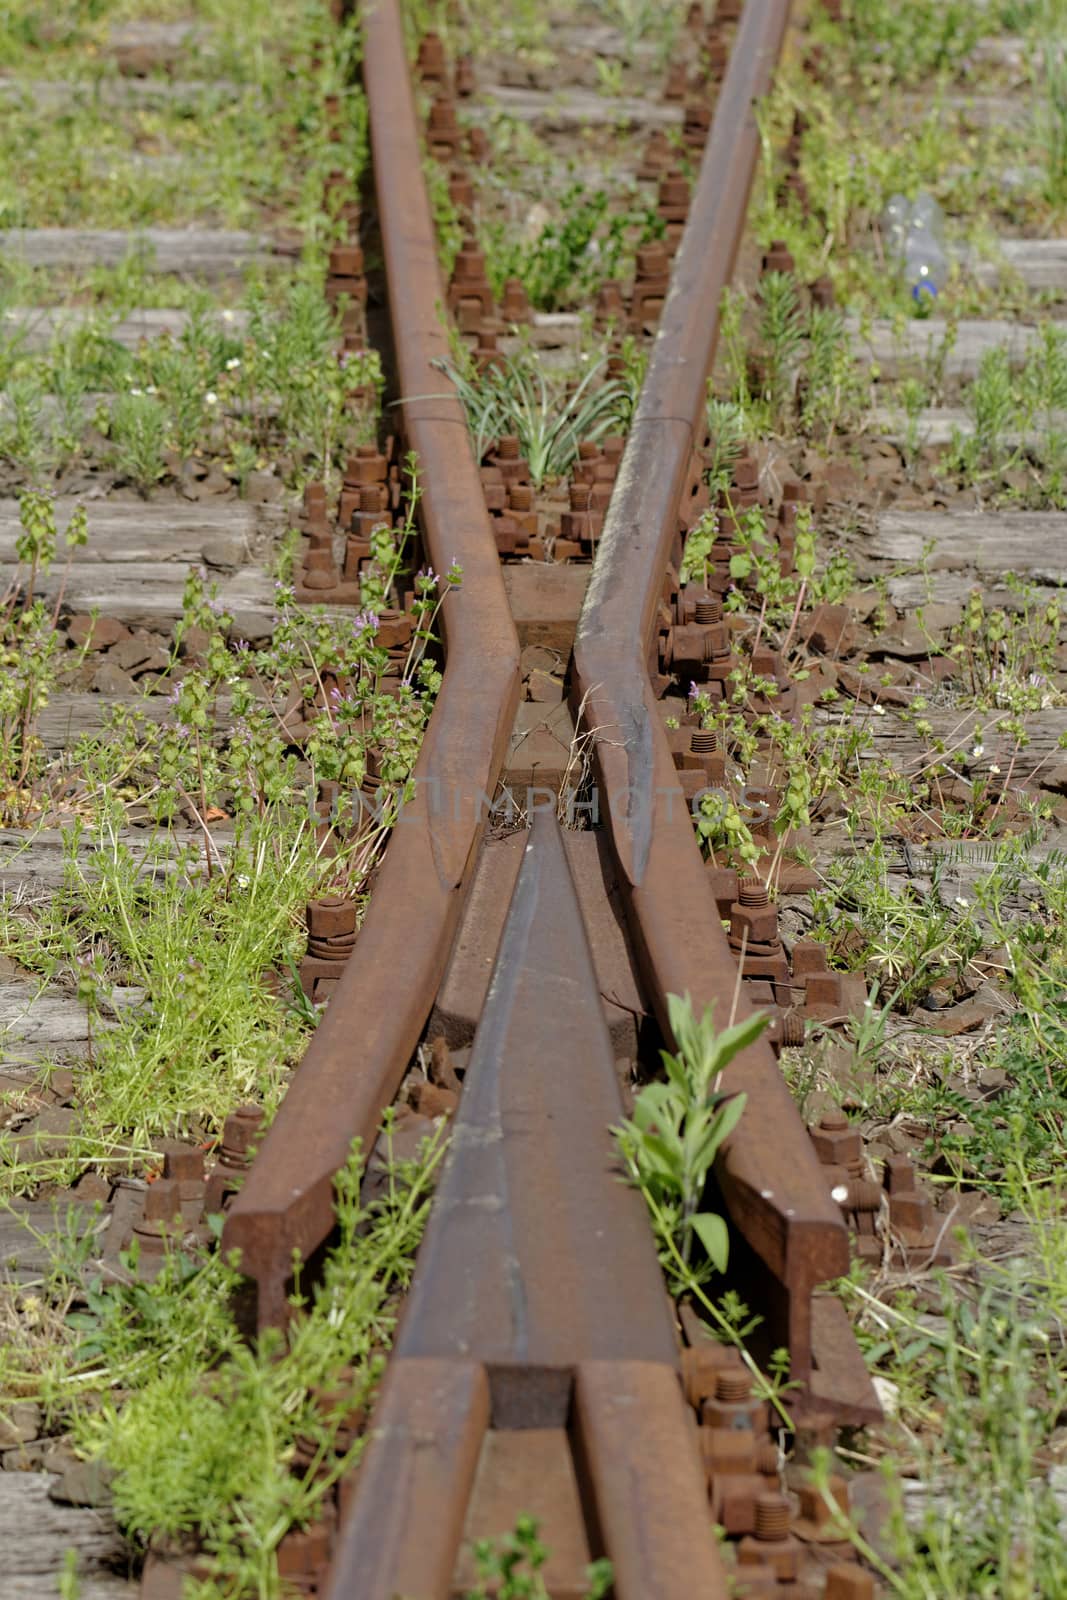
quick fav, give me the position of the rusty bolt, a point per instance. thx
(431, 58)
(442, 125)
(808, 956)
(753, 925)
(863, 1196)
(183, 1162)
(674, 192)
(331, 918)
(836, 1142)
(733, 1404)
(772, 1517)
(791, 1031)
(239, 1134)
(701, 1365)
(911, 1211)
(728, 1450)
(653, 261)
(813, 1506)
(677, 82)
(899, 1174)
(708, 609)
(162, 1203)
(514, 303)
(657, 153)
(823, 989)
(367, 466)
(779, 258)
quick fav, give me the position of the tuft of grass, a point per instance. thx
(515, 397)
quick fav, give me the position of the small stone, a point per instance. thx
(831, 630)
(963, 1018)
(538, 656)
(60, 1085)
(33, 1456)
(98, 633)
(110, 679)
(544, 688)
(263, 487)
(225, 555)
(46, 1135)
(254, 627)
(82, 1483)
(940, 616)
(215, 481)
(862, 603)
(20, 1421)
(195, 643)
(430, 1100)
(906, 640)
(131, 654)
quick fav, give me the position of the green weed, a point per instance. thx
(678, 1127)
(509, 1568)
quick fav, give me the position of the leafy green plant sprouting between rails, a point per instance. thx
(669, 1146)
(515, 397)
(509, 1568)
(678, 1128)
(567, 260)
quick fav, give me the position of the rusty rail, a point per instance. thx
(768, 1175)
(537, 1328)
(365, 1041)
(537, 1366)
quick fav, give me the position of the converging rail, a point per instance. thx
(769, 1175)
(536, 1346)
(347, 1076)
(537, 1365)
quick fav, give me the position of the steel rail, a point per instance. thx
(537, 1307)
(768, 1174)
(365, 1041)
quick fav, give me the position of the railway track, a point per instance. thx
(501, 835)
(538, 1368)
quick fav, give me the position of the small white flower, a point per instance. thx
(978, 752)
(211, 398)
(994, 769)
(960, 901)
(227, 316)
(137, 391)
(233, 363)
(243, 880)
(151, 389)
(879, 711)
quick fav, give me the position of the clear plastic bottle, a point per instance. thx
(914, 235)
